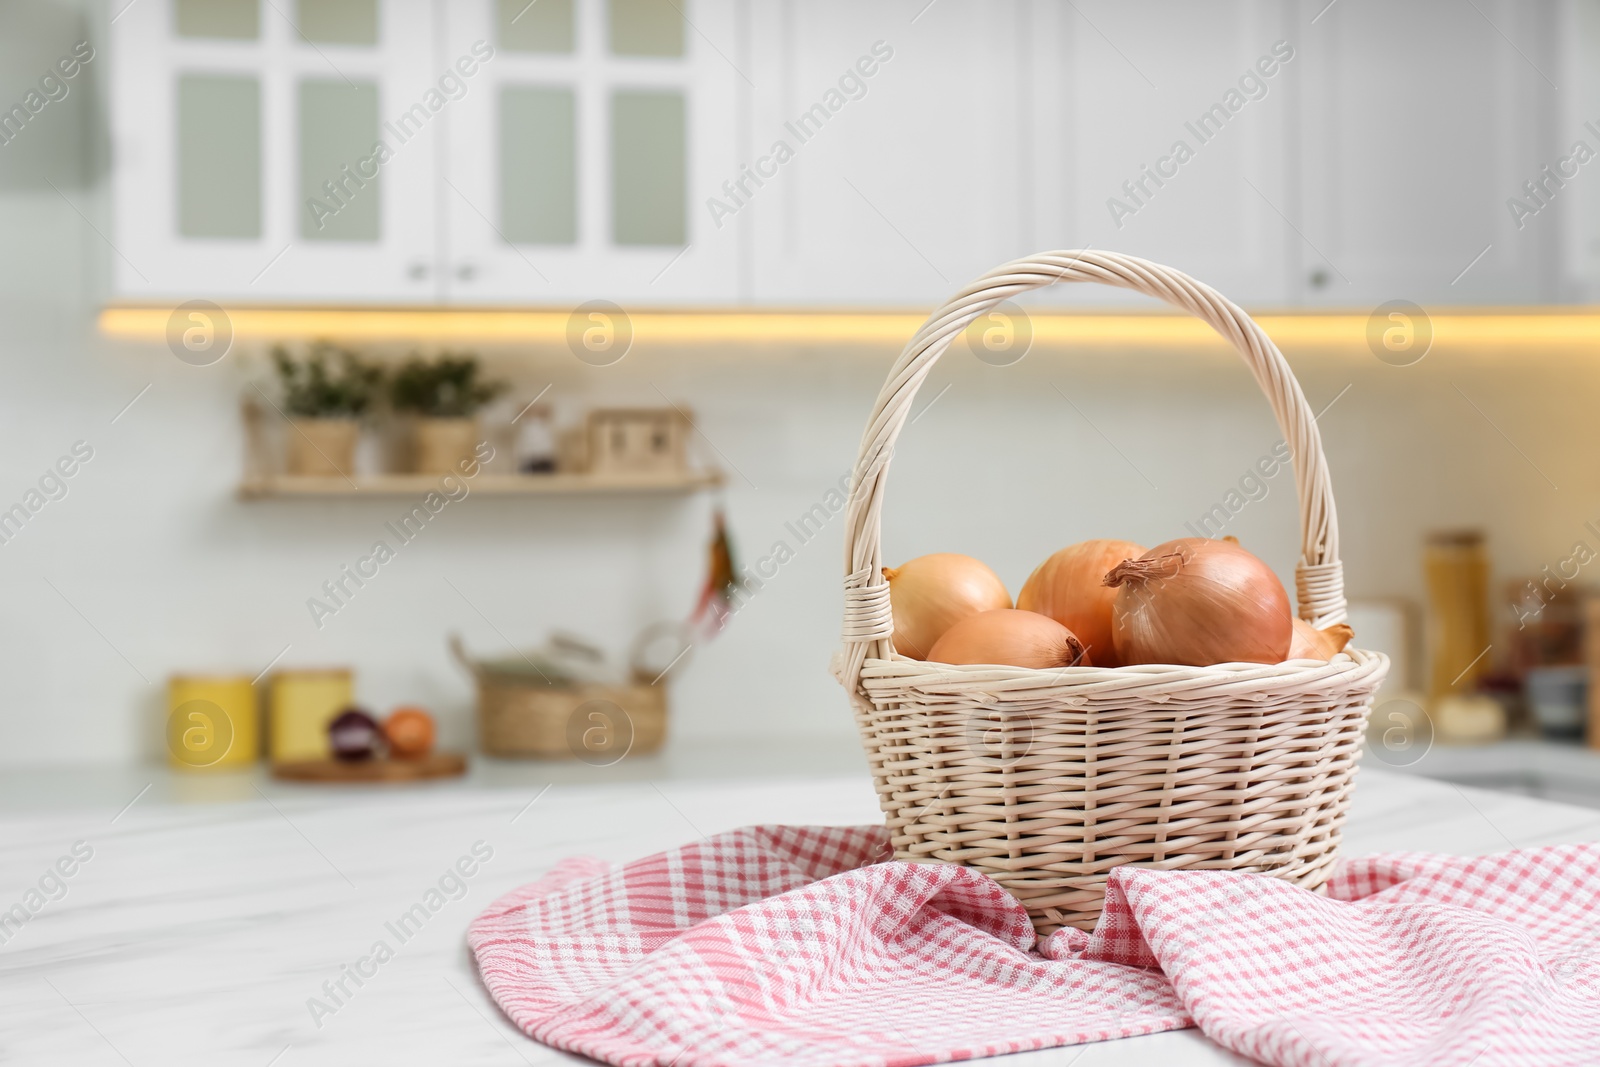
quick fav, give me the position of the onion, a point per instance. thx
(1070, 588)
(1197, 602)
(932, 593)
(1312, 643)
(1011, 638)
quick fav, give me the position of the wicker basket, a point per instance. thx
(1045, 780)
(521, 716)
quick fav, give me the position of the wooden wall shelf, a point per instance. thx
(278, 486)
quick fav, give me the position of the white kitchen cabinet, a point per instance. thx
(229, 116)
(1160, 131)
(1578, 217)
(995, 130)
(1420, 121)
(574, 164)
(709, 153)
(226, 121)
(892, 143)
(1365, 156)
(1373, 163)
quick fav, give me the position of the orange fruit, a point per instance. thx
(409, 732)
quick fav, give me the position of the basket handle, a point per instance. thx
(459, 652)
(1319, 576)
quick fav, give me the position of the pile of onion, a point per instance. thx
(1198, 602)
(1105, 603)
(932, 593)
(1070, 588)
(1010, 638)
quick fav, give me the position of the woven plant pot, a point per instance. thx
(323, 447)
(1045, 780)
(440, 446)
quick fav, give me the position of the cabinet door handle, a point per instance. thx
(466, 272)
(417, 271)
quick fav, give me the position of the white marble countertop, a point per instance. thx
(210, 910)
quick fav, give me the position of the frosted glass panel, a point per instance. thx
(237, 19)
(645, 27)
(535, 25)
(538, 165)
(338, 21)
(219, 156)
(648, 173)
(338, 171)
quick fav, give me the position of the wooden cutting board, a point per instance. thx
(435, 765)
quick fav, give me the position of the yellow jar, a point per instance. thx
(212, 721)
(301, 704)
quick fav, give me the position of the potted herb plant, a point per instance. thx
(444, 396)
(324, 404)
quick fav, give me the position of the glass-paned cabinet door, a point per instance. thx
(582, 156)
(276, 150)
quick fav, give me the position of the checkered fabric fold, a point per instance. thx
(795, 945)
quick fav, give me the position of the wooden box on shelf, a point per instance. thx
(638, 441)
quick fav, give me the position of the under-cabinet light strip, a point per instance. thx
(1453, 329)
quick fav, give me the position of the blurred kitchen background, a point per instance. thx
(671, 248)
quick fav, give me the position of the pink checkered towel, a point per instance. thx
(793, 945)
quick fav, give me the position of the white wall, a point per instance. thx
(161, 569)
(171, 571)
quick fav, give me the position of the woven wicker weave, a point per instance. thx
(522, 715)
(1045, 780)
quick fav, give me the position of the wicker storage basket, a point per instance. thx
(523, 716)
(1045, 780)
(519, 719)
